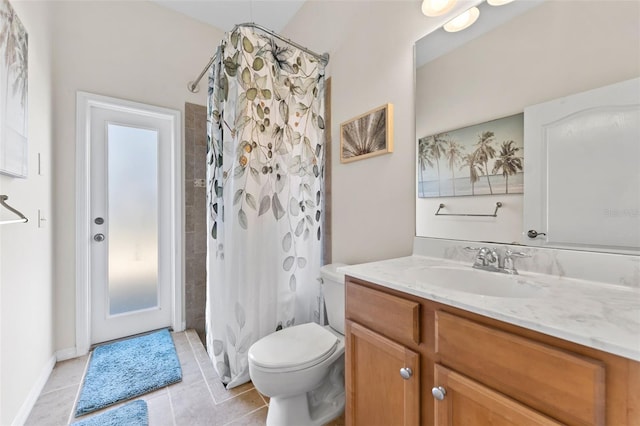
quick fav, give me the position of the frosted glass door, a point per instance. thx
(131, 228)
(133, 218)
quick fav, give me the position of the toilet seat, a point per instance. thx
(294, 348)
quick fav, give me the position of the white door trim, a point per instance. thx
(84, 102)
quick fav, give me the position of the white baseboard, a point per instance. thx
(68, 353)
(31, 399)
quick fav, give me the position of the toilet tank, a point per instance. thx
(333, 290)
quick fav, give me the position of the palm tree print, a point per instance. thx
(469, 161)
(13, 45)
(453, 152)
(508, 162)
(424, 158)
(473, 158)
(485, 152)
(432, 151)
(437, 149)
(19, 86)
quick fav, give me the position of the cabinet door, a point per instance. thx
(467, 402)
(377, 394)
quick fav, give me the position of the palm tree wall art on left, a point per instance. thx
(13, 92)
(483, 159)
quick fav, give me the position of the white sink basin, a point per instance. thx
(468, 280)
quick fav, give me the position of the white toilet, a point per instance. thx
(301, 368)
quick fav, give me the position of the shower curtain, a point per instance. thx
(265, 163)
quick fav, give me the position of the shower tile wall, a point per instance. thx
(195, 221)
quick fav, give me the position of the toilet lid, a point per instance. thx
(299, 346)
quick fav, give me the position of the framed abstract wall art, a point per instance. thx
(483, 159)
(13, 93)
(367, 135)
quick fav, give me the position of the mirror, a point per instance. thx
(516, 55)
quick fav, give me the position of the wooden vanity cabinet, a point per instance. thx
(468, 402)
(383, 378)
(376, 392)
(490, 372)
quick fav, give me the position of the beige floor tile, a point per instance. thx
(66, 373)
(337, 422)
(181, 342)
(53, 408)
(198, 348)
(160, 412)
(189, 403)
(152, 395)
(191, 372)
(234, 408)
(193, 405)
(256, 418)
(220, 393)
(265, 397)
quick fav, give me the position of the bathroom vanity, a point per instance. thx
(528, 349)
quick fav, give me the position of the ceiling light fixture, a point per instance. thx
(498, 2)
(437, 7)
(462, 21)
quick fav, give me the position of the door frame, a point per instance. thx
(84, 103)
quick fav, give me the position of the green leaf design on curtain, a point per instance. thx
(240, 316)
(265, 169)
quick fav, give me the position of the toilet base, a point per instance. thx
(314, 408)
(296, 411)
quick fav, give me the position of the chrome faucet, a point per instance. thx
(490, 260)
(507, 265)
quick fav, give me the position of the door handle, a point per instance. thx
(99, 237)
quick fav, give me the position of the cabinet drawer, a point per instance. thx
(391, 316)
(563, 385)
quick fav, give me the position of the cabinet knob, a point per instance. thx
(439, 393)
(406, 373)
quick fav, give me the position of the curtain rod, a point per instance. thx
(324, 58)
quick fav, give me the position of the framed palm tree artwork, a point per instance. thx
(367, 135)
(483, 159)
(13, 93)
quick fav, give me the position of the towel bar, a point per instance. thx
(23, 219)
(495, 213)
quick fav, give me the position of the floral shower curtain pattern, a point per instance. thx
(265, 163)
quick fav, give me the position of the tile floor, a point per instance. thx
(200, 399)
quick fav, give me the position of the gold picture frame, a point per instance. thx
(367, 135)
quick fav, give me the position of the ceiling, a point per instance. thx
(439, 42)
(224, 14)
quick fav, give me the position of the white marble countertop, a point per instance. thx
(593, 314)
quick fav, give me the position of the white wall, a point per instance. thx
(371, 47)
(554, 50)
(134, 50)
(26, 263)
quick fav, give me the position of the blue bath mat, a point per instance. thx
(131, 414)
(128, 368)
